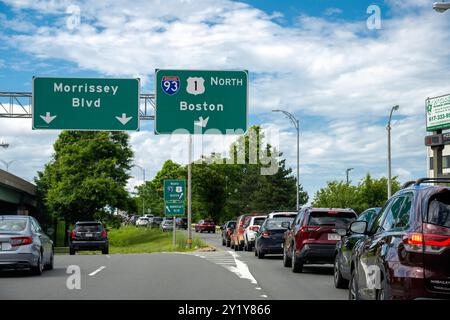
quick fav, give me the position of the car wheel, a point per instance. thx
(49, 266)
(256, 252)
(383, 293)
(353, 287)
(249, 247)
(228, 243)
(339, 281)
(287, 262)
(106, 250)
(261, 255)
(236, 247)
(223, 242)
(71, 251)
(37, 270)
(297, 264)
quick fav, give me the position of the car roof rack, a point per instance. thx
(408, 183)
(431, 180)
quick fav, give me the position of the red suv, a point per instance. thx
(205, 225)
(312, 237)
(405, 254)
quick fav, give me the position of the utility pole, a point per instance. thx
(189, 192)
(143, 185)
(346, 172)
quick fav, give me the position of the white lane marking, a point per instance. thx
(263, 296)
(96, 271)
(108, 256)
(257, 288)
(241, 269)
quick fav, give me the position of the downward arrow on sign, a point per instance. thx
(48, 118)
(201, 122)
(124, 120)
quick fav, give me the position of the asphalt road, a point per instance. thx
(220, 275)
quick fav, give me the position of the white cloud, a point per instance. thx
(340, 72)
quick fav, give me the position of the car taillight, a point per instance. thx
(104, 234)
(265, 234)
(21, 241)
(430, 243)
(309, 228)
(74, 234)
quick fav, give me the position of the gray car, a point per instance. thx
(166, 224)
(24, 245)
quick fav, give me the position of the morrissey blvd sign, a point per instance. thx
(199, 101)
(85, 104)
(174, 209)
(437, 112)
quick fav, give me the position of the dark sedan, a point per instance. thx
(270, 236)
(343, 252)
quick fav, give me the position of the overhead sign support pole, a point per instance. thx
(189, 193)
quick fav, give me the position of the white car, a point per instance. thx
(284, 214)
(142, 222)
(250, 231)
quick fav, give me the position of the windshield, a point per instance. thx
(12, 225)
(439, 210)
(330, 219)
(232, 224)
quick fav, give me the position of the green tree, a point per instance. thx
(87, 176)
(373, 192)
(337, 194)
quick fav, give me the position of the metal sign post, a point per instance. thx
(189, 193)
(174, 232)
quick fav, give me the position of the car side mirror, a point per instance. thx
(50, 231)
(341, 232)
(359, 227)
(286, 225)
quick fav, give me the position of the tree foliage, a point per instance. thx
(368, 193)
(87, 175)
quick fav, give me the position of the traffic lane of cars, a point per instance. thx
(315, 283)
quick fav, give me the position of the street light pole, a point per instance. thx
(296, 124)
(347, 171)
(4, 145)
(441, 6)
(389, 151)
(7, 164)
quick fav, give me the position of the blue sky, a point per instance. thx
(314, 58)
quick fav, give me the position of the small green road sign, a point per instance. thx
(174, 190)
(85, 104)
(174, 208)
(201, 102)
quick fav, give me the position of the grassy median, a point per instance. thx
(130, 239)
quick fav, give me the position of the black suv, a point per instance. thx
(182, 223)
(89, 235)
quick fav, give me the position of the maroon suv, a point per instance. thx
(312, 237)
(205, 225)
(406, 252)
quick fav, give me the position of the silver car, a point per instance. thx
(24, 245)
(166, 225)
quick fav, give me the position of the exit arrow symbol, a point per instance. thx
(201, 122)
(168, 209)
(124, 120)
(48, 118)
(181, 195)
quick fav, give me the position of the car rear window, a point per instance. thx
(324, 218)
(276, 223)
(12, 225)
(259, 221)
(91, 227)
(439, 210)
(231, 224)
(284, 215)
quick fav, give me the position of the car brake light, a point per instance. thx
(21, 241)
(104, 234)
(265, 234)
(309, 228)
(332, 212)
(431, 243)
(254, 228)
(74, 234)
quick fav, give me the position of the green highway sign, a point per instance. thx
(174, 190)
(201, 102)
(85, 104)
(437, 111)
(174, 208)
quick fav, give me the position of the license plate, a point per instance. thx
(334, 237)
(5, 246)
(88, 235)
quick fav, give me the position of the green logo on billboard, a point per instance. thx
(429, 107)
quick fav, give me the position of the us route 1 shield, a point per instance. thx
(174, 190)
(201, 102)
(85, 104)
